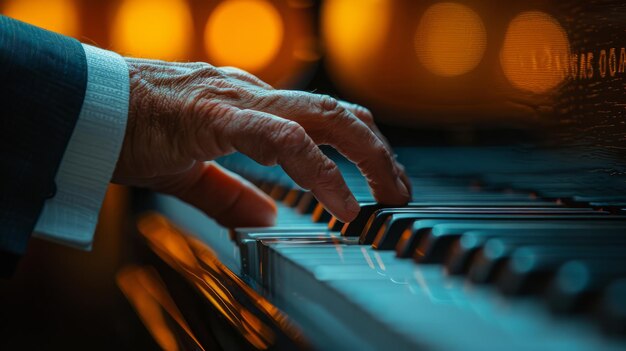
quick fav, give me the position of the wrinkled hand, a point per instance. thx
(183, 114)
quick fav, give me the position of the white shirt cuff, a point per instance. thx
(70, 217)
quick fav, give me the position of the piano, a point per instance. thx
(515, 238)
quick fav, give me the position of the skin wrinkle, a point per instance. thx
(204, 140)
(182, 114)
(266, 100)
(252, 123)
(326, 174)
(245, 76)
(292, 139)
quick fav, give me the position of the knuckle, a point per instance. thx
(364, 113)
(234, 71)
(207, 71)
(328, 103)
(335, 112)
(291, 136)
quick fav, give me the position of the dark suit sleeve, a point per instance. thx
(43, 78)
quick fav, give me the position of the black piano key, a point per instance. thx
(320, 214)
(307, 203)
(266, 186)
(391, 231)
(377, 223)
(293, 196)
(530, 267)
(389, 235)
(399, 218)
(335, 225)
(434, 246)
(488, 261)
(376, 230)
(549, 244)
(355, 228)
(411, 242)
(462, 251)
(278, 192)
(579, 282)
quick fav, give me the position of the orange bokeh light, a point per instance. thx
(153, 29)
(535, 53)
(450, 39)
(59, 16)
(244, 33)
(354, 29)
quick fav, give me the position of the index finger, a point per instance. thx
(272, 140)
(366, 117)
(328, 122)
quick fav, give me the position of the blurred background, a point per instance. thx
(417, 62)
(433, 72)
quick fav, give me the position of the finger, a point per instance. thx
(366, 117)
(245, 76)
(327, 122)
(271, 140)
(224, 196)
(405, 178)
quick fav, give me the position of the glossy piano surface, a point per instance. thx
(527, 202)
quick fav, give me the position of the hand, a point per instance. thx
(183, 114)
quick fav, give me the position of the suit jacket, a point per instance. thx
(43, 78)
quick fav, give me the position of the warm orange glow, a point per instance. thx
(244, 33)
(535, 53)
(354, 29)
(153, 29)
(215, 281)
(450, 39)
(59, 16)
(147, 308)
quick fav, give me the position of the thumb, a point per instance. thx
(226, 197)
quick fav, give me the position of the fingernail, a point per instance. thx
(402, 188)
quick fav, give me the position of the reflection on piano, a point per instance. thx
(504, 248)
(520, 245)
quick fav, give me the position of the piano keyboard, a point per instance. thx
(500, 249)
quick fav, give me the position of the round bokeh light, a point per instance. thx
(244, 33)
(450, 39)
(535, 53)
(153, 29)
